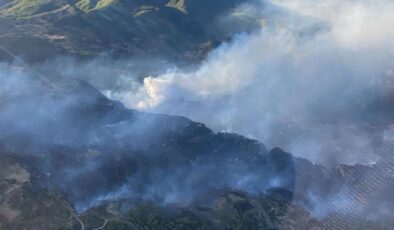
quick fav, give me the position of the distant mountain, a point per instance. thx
(181, 30)
(70, 158)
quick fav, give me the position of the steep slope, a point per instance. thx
(79, 157)
(129, 28)
(23, 205)
(68, 139)
(24, 8)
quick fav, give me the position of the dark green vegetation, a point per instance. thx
(176, 29)
(22, 206)
(49, 169)
(65, 143)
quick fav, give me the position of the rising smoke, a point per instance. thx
(304, 76)
(72, 138)
(305, 81)
(307, 78)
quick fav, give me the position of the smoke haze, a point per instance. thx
(305, 76)
(303, 82)
(94, 150)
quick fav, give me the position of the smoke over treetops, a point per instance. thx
(313, 78)
(308, 77)
(72, 138)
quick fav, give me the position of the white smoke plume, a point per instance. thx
(300, 81)
(303, 82)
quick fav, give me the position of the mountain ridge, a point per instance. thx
(85, 29)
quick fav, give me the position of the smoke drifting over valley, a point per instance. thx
(74, 139)
(315, 79)
(305, 81)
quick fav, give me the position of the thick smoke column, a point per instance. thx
(305, 82)
(311, 80)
